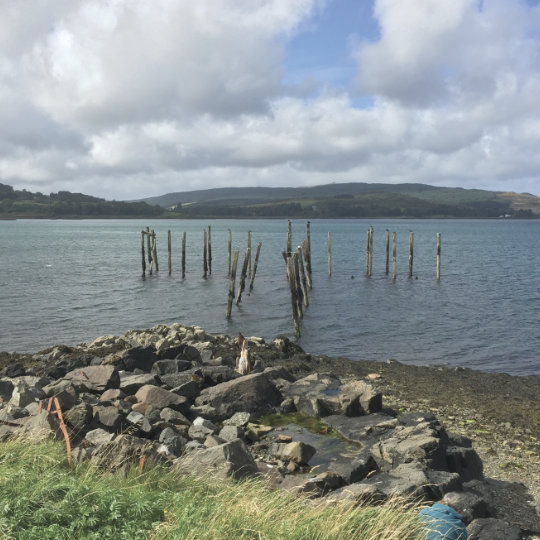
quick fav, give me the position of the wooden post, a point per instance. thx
(231, 284)
(209, 249)
(229, 254)
(387, 249)
(143, 255)
(205, 248)
(154, 250)
(149, 246)
(242, 283)
(394, 254)
(298, 284)
(367, 253)
(259, 244)
(249, 247)
(294, 304)
(411, 250)
(438, 256)
(289, 238)
(329, 254)
(303, 280)
(369, 261)
(307, 253)
(184, 255)
(169, 248)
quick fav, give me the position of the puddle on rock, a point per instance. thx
(330, 445)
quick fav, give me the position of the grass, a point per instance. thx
(40, 497)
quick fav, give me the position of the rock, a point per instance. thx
(468, 504)
(190, 389)
(79, 416)
(42, 426)
(109, 418)
(23, 395)
(358, 494)
(112, 394)
(298, 452)
(229, 433)
(155, 397)
(6, 388)
(56, 387)
(140, 421)
(254, 393)
(228, 459)
(213, 440)
(358, 429)
(174, 443)
(94, 378)
(15, 370)
(131, 382)
(493, 529)
(317, 486)
(165, 367)
(125, 451)
(465, 461)
(174, 417)
(33, 381)
(98, 437)
(201, 428)
(356, 470)
(239, 419)
(142, 358)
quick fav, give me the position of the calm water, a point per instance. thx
(71, 281)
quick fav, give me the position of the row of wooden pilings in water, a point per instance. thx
(298, 264)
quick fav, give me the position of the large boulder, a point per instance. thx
(131, 382)
(154, 397)
(142, 358)
(42, 426)
(94, 378)
(254, 393)
(228, 459)
(493, 529)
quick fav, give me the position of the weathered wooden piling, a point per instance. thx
(303, 280)
(154, 250)
(307, 254)
(411, 252)
(232, 279)
(169, 248)
(289, 238)
(242, 284)
(205, 249)
(387, 250)
(438, 256)
(394, 255)
(229, 250)
(143, 255)
(149, 246)
(259, 244)
(249, 247)
(329, 254)
(209, 249)
(184, 255)
(369, 251)
(298, 284)
(294, 302)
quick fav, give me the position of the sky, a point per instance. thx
(126, 99)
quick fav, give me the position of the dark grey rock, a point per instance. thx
(174, 417)
(190, 389)
(15, 370)
(42, 426)
(94, 378)
(229, 433)
(140, 421)
(228, 459)
(361, 428)
(109, 418)
(254, 393)
(99, 436)
(131, 382)
(465, 461)
(155, 397)
(202, 428)
(165, 367)
(239, 419)
(493, 529)
(6, 388)
(356, 470)
(142, 358)
(79, 416)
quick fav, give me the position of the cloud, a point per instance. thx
(134, 98)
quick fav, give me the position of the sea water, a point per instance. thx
(71, 281)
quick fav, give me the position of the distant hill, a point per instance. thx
(64, 204)
(349, 200)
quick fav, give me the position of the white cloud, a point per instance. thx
(135, 98)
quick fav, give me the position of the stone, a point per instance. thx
(33, 381)
(229, 433)
(142, 358)
(202, 428)
(56, 387)
(6, 388)
(356, 470)
(254, 393)
(15, 370)
(465, 461)
(159, 398)
(79, 416)
(67, 398)
(239, 419)
(94, 378)
(140, 422)
(468, 504)
(42, 426)
(174, 417)
(493, 529)
(99, 436)
(298, 452)
(131, 382)
(190, 389)
(109, 418)
(112, 394)
(358, 429)
(165, 367)
(228, 459)
(213, 440)
(23, 395)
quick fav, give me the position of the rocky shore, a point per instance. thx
(330, 428)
